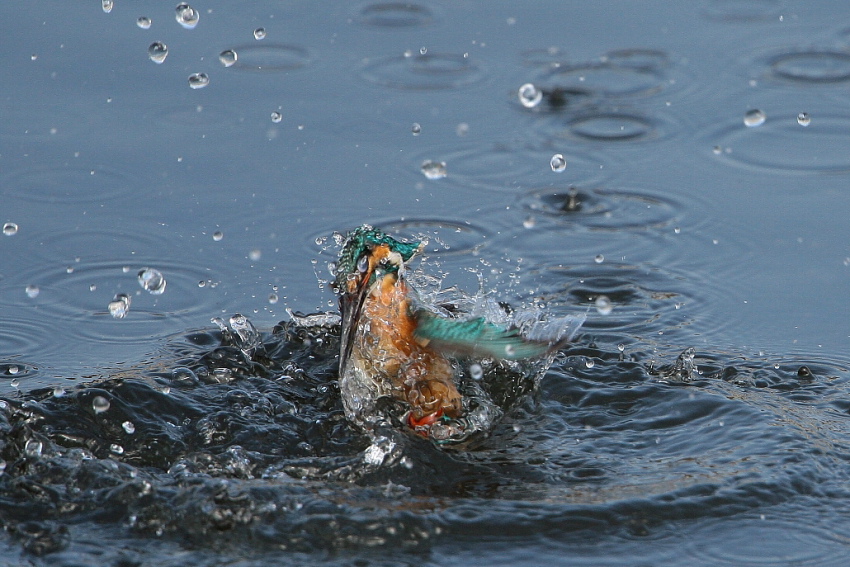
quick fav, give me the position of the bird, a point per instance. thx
(395, 345)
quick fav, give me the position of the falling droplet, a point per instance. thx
(589, 362)
(129, 427)
(144, 23)
(158, 51)
(32, 291)
(603, 305)
(119, 306)
(717, 150)
(276, 117)
(754, 118)
(273, 298)
(228, 57)
(107, 5)
(529, 222)
(434, 169)
(198, 80)
(186, 16)
(100, 404)
(803, 119)
(621, 347)
(33, 448)
(510, 350)
(476, 372)
(10, 229)
(260, 33)
(529, 95)
(558, 163)
(416, 129)
(152, 281)
(58, 392)
(599, 258)
(12, 370)
(218, 235)
(254, 255)
(116, 448)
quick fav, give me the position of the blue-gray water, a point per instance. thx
(703, 232)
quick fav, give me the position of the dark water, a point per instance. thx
(702, 232)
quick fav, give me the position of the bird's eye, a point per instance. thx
(363, 264)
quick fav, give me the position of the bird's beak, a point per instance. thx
(350, 307)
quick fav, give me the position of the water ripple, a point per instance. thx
(422, 72)
(271, 57)
(67, 184)
(742, 10)
(393, 15)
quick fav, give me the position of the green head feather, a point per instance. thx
(361, 241)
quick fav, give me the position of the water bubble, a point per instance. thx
(276, 117)
(186, 16)
(152, 281)
(603, 305)
(218, 235)
(119, 306)
(803, 119)
(107, 5)
(476, 372)
(416, 129)
(558, 163)
(434, 169)
(10, 229)
(754, 118)
(228, 57)
(100, 404)
(32, 291)
(158, 51)
(273, 298)
(198, 80)
(529, 95)
(33, 448)
(260, 33)
(144, 22)
(599, 258)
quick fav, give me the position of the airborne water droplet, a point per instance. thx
(186, 16)
(558, 163)
(129, 427)
(475, 371)
(529, 95)
(218, 235)
(754, 118)
(33, 448)
(10, 229)
(152, 281)
(107, 5)
(803, 119)
(100, 404)
(144, 23)
(198, 80)
(259, 33)
(273, 298)
(599, 258)
(434, 169)
(603, 305)
(228, 57)
(32, 291)
(119, 306)
(158, 51)
(276, 117)
(416, 129)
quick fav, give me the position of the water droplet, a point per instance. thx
(129, 427)
(260, 33)
(599, 258)
(529, 222)
(107, 5)
(558, 163)
(276, 117)
(158, 51)
(228, 57)
(476, 372)
(92, 287)
(754, 118)
(15, 383)
(510, 350)
(589, 362)
(677, 230)
(202, 283)
(273, 298)
(116, 448)
(621, 347)
(423, 50)
(218, 235)
(603, 305)
(33, 448)
(717, 150)
(32, 291)
(186, 16)
(416, 129)
(144, 22)
(100, 404)
(254, 255)
(13, 369)
(462, 129)
(10, 229)
(198, 80)
(152, 281)
(803, 119)
(58, 392)
(529, 95)
(434, 169)
(119, 306)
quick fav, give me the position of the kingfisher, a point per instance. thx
(394, 345)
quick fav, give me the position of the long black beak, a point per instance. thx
(350, 307)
